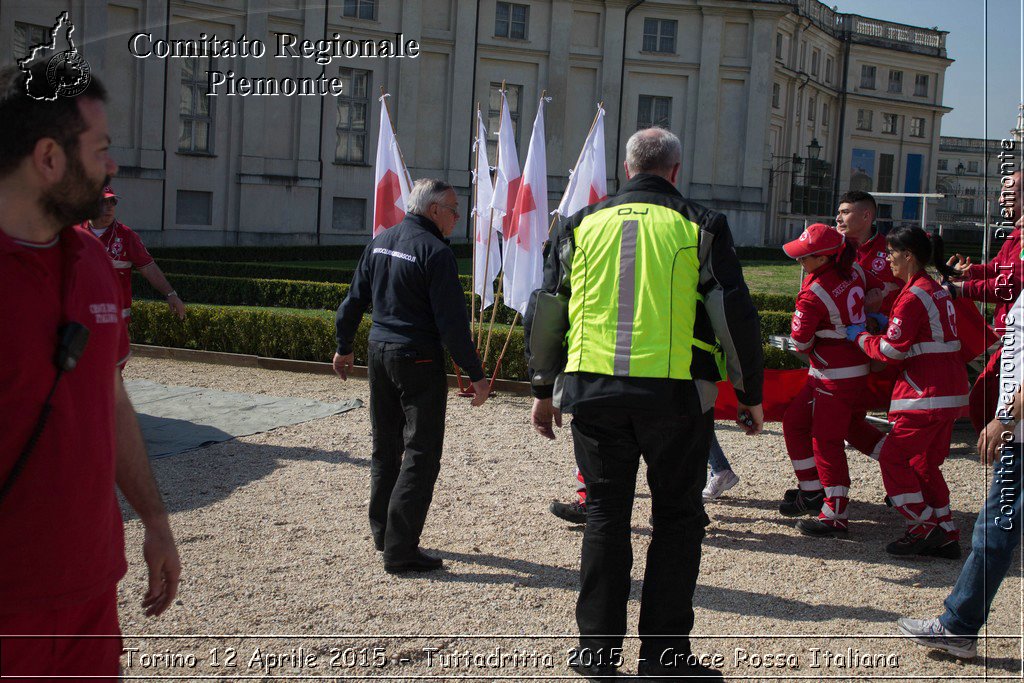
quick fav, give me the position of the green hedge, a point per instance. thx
(267, 271)
(234, 291)
(239, 291)
(305, 337)
(338, 252)
(269, 254)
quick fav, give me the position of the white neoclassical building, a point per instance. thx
(779, 104)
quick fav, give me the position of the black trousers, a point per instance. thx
(608, 448)
(408, 398)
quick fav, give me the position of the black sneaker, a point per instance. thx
(912, 544)
(950, 550)
(575, 512)
(803, 504)
(654, 671)
(790, 495)
(820, 529)
(888, 501)
(419, 561)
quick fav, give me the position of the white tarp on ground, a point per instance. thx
(177, 419)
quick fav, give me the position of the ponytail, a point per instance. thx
(939, 257)
(845, 259)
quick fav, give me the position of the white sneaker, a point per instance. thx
(719, 483)
(931, 633)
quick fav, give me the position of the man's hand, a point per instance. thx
(343, 364)
(960, 265)
(161, 557)
(481, 391)
(541, 416)
(990, 440)
(754, 415)
(177, 306)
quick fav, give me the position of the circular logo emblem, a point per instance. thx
(68, 74)
(894, 332)
(878, 264)
(804, 236)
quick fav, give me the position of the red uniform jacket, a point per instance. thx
(826, 304)
(922, 338)
(1000, 280)
(871, 257)
(126, 251)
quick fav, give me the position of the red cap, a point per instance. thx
(108, 192)
(817, 240)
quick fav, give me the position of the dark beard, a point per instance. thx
(75, 198)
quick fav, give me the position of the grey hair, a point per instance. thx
(652, 149)
(426, 191)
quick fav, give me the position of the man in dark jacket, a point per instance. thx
(409, 274)
(623, 334)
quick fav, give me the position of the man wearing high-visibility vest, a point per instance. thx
(637, 289)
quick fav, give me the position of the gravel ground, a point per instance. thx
(281, 578)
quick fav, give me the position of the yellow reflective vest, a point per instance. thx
(634, 280)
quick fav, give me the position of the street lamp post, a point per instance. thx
(797, 165)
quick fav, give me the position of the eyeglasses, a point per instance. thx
(110, 201)
(889, 253)
(453, 209)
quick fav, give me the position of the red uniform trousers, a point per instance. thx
(63, 658)
(985, 393)
(911, 455)
(815, 427)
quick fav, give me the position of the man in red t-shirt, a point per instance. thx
(127, 251)
(855, 218)
(60, 523)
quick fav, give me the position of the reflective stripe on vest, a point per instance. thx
(928, 403)
(122, 264)
(933, 347)
(839, 373)
(838, 330)
(933, 313)
(634, 295)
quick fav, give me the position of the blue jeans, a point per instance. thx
(716, 456)
(997, 533)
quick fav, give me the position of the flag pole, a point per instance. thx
(476, 227)
(579, 160)
(490, 230)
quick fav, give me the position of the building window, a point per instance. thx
(921, 85)
(27, 36)
(916, 127)
(828, 69)
(864, 117)
(812, 106)
(660, 35)
(359, 9)
(824, 113)
(943, 164)
(514, 95)
(654, 111)
(193, 208)
(353, 110)
(511, 20)
(195, 129)
(349, 215)
(815, 62)
(867, 77)
(885, 164)
(778, 46)
(776, 92)
(889, 124)
(895, 81)
(972, 166)
(803, 53)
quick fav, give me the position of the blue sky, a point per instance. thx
(970, 39)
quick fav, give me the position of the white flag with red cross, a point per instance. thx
(527, 230)
(507, 176)
(588, 182)
(390, 179)
(486, 253)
